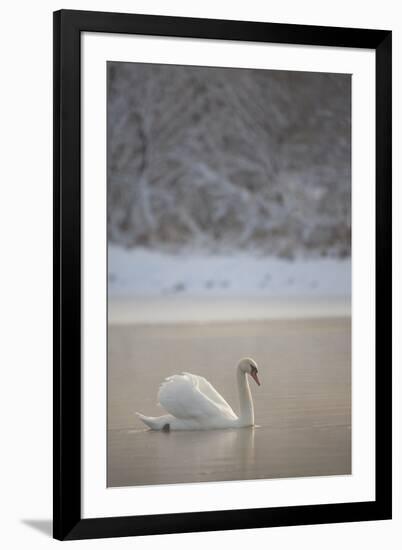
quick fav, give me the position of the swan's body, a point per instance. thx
(192, 403)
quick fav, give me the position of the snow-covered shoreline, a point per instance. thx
(147, 286)
(141, 272)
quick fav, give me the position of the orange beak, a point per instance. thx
(254, 375)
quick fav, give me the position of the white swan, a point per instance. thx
(194, 404)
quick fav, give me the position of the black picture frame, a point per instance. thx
(68, 26)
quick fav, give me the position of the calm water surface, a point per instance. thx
(303, 408)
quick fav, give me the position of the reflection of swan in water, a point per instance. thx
(194, 404)
(209, 454)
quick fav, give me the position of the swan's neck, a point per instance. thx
(246, 417)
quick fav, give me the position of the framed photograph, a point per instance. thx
(222, 274)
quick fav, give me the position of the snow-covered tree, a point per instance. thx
(229, 159)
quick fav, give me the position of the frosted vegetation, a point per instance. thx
(222, 161)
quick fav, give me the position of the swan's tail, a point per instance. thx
(154, 422)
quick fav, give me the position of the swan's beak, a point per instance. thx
(254, 375)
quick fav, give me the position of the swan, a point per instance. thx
(192, 403)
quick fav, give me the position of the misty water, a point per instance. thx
(302, 408)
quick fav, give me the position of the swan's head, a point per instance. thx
(249, 366)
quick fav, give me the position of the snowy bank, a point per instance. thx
(149, 286)
(140, 272)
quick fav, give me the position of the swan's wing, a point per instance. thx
(180, 395)
(207, 389)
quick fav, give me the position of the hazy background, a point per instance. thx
(228, 182)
